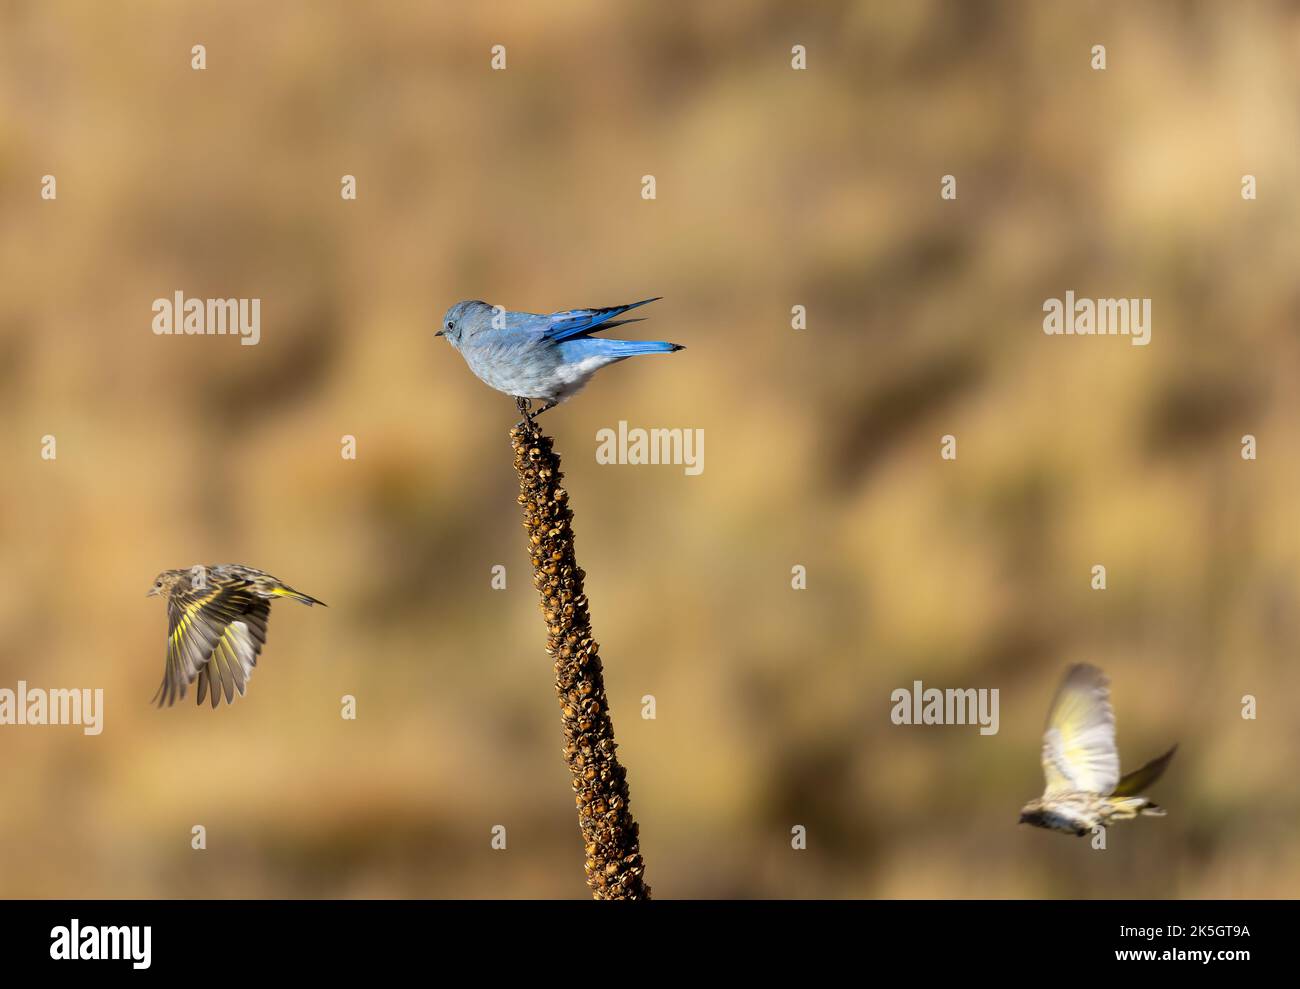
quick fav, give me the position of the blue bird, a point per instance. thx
(533, 356)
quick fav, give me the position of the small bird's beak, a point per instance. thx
(439, 333)
(152, 592)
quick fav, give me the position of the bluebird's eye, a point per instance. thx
(450, 325)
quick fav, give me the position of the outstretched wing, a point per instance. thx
(215, 635)
(1139, 780)
(574, 322)
(1079, 753)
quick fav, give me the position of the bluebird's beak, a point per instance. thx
(439, 333)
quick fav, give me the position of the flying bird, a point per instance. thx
(545, 357)
(1081, 763)
(216, 627)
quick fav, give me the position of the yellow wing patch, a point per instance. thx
(1079, 753)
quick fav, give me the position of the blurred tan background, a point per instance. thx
(775, 188)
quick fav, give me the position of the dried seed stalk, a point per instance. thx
(615, 870)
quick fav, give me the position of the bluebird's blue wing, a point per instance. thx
(575, 322)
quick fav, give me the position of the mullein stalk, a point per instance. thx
(615, 870)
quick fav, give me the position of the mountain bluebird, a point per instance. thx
(550, 357)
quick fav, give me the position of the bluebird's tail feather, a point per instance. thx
(576, 350)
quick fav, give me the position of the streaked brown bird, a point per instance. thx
(216, 619)
(1081, 763)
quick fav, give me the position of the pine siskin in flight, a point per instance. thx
(1081, 762)
(216, 618)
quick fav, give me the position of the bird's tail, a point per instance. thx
(1127, 808)
(600, 347)
(288, 592)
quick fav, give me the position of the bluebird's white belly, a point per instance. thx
(541, 375)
